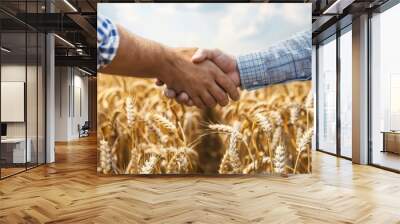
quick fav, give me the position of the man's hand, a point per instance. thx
(225, 62)
(204, 82)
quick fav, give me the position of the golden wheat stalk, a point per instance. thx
(309, 101)
(161, 136)
(294, 111)
(277, 117)
(129, 111)
(132, 167)
(153, 126)
(304, 141)
(279, 159)
(106, 158)
(264, 123)
(231, 162)
(165, 123)
(178, 164)
(250, 167)
(276, 137)
(149, 165)
(222, 128)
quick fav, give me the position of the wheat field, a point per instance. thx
(140, 131)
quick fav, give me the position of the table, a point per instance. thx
(391, 141)
(13, 150)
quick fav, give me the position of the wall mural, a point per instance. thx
(267, 131)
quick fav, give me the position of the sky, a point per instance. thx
(233, 28)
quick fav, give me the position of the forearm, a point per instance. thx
(137, 56)
(288, 60)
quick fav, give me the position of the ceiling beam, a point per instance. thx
(86, 27)
(78, 61)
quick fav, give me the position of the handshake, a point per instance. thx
(201, 77)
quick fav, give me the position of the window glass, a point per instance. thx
(327, 96)
(346, 94)
(385, 88)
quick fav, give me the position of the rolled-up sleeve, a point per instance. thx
(286, 61)
(107, 41)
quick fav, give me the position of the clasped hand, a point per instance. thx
(208, 79)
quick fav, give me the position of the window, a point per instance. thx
(346, 93)
(385, 89)
(327, 96)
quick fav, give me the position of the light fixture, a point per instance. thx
(5, 50)
(65, 41)
(84, 71)
(70, 5)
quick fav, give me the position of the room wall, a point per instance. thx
(69, 112)
(61, 103)
(17, 73)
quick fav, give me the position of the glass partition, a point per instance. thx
(327, 96)
(31, 98)
(22, 88)
(41, 91)
(13, 94)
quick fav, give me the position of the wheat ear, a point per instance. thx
(165, 123)
(264, 123)
(149, 165)
(309, 101)
(129, 111)
(105, 157)
(222, 128)
(279, 159)
(294, 112)
(231, 156)
(304, 141)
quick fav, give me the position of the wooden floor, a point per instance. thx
(70, 191)
(11, 170)
(387, 159)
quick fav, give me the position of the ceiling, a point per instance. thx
(75, 22)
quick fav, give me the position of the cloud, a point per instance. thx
(294, 14)
(235, 28)
(126, 13)
(193, 6)
(240, 23)
(166, 9)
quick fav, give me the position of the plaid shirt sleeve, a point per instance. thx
(107, 41)
(285, 61)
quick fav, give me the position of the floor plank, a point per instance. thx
(69, 191)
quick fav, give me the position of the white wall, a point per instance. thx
(33, 127)
(80, 100)
(12, 73)
(70, 83)
(61, 103)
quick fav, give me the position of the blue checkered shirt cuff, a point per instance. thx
(286, 61)
(107, 41)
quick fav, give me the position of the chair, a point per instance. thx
(84, 130)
